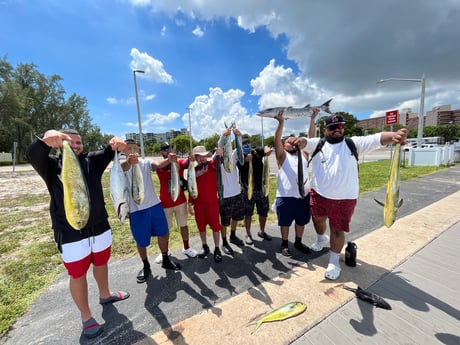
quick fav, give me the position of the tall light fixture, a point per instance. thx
(422, 104)
(141, 136)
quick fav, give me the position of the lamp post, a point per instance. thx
(141, 136)
(422, 104)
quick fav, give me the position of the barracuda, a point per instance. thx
(282, 313)
(137, 186)
(76, 195)
(392, 201)
(293, 113)
(191, 180)
(174, 183)
(119, 189)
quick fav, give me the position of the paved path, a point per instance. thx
(208, 303)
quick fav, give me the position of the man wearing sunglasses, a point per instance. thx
(335, 183)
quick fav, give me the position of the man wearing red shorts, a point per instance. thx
(335, 183)
(92, 244)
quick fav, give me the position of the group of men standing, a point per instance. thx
(329, 195)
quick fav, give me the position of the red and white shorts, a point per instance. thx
(78, 256)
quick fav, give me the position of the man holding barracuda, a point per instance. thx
(78, 215)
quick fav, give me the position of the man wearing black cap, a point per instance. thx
(335, 182)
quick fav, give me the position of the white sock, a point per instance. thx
(334, 258)
(322, 238)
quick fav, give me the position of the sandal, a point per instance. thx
(115, 297)
(91, 328)
(332, 272)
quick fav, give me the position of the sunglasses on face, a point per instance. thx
(165, 149)
(337, 126)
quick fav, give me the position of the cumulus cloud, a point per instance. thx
(152, 67)
(198, 32)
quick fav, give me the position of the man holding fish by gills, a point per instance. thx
(147, 219)
(335, 182)
(92, 243)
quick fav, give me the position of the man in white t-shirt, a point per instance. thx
(335, 183)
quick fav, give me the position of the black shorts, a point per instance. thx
(231, 208)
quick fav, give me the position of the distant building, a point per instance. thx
(438, 116)
(158, 137)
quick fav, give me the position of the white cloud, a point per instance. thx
(112, 100)
(198, 32)
(152, 67)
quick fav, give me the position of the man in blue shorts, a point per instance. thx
(291, 205)
(147, 219)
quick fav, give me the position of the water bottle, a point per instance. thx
(350, 254)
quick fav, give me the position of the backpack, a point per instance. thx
(351, 145)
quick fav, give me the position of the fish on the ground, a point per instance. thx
(174, 183)
(191, 180)
(266, 176)
(137, 186)
(293, 113)
(369, 297)
(282, 313)
(119, 189)
(250, 181)
(76, 194)
(392, 201)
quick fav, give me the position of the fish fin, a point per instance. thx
(349, 288)
(308, 105)
(325, 106)
(400, 202)
(379, 202)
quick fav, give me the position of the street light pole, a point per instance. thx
(141, 136)
(422, 104)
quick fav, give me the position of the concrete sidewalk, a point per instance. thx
(209, 303)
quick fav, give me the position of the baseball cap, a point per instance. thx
(332, 120)
(200, 150)
(130, 141)
(164, 145)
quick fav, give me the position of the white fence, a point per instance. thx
(6, 157)
(438, 155)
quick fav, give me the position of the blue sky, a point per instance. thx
(228, 59)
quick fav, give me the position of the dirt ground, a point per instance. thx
(23, 182)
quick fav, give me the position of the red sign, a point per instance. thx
(391, 117)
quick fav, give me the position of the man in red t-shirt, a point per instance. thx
(177, 208)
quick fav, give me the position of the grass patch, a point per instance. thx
(30, 262)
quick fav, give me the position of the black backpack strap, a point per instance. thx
(351, 145)
(318, 148)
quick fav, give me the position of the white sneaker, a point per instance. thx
(319, 244)
(159, 258)
(248, 239)
(191, 253)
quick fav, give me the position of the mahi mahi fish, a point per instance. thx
(293, 113)
(227, 148)
(137, 185)
(119, 189)
(369, 297)
(76, 195)
(392, 201)
(282, 313)
(191, 180)
(250, 181)
(174, 182)
(239, 149)
(266, 176)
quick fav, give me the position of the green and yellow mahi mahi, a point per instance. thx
(392, 201)
(137, 185)
(282, 313)
(76, 195)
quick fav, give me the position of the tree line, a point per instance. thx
(31, 103)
